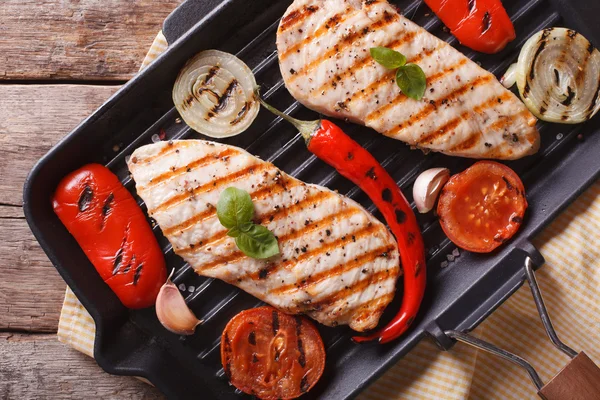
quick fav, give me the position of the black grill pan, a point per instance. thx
(458, 296)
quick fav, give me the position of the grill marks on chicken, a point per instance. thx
(338, 264)
(326, 65)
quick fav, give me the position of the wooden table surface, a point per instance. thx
(59, 60)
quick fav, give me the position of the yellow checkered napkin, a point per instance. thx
(570, 281)
(75, 326)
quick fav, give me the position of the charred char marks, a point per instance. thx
(592, 106)
(211, 74)
(347, 40)
(263, 273)
(296, 16)
(342, 106)
(542, 44)
(107, 205)
(371, 173)
(137, 274)
(304, 381)
(471, 5)
(224, 98)
(527, 89)
(570, 95)
(128, 267)
(418, 268)
(335, 20)
(118, 260)
(85, 198)
(227, 356)
(386, 195)
(509, 186)
(254, 358)
(289, 19)
(241, 114)
(400, 216)
(302, 356)
(275, 322)
(517, 220)
(190, 99)
(486, 23)
(388, 17)
(252, 338)
(410, 238)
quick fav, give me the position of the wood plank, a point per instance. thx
(79, 40)
(38, 366)
(31, 290)
(35, 118)
(11, 212)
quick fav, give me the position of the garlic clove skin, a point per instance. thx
(427, 187)
(173, 313)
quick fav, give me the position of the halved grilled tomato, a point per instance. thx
(272, 355)
(482, 207)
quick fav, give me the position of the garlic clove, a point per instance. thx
(172, 312)
(427, 187)
(509, 78)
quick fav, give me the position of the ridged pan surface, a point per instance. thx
(462, 288)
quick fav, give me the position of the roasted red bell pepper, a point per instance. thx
(113, 232)
(328, 142)
(482, 25)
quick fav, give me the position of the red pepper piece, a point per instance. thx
(482, 25)
(328, 142)
(113, 232)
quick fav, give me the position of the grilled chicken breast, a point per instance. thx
(324, 57)
(338, 264)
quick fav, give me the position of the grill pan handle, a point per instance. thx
(478, 300)
(578, 380)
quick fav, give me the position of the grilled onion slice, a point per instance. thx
(214, 94)
(558, 76)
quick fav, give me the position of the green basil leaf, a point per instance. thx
(234, 232)
(234, 208)
(246, 226)
(389, 58)
(411, 79)
(258, 242)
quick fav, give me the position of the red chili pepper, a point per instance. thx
(482, 25)
(113, 232)
(328, 142)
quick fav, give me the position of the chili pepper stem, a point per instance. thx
(306, 128)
